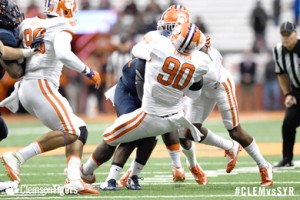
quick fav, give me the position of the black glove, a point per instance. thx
(2, 72)
(36, 43)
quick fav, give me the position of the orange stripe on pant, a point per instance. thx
(235, 101)
(127, 128)
(54, 106)
(229, 97)
(123, 125)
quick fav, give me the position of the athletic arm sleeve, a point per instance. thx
(62, 47)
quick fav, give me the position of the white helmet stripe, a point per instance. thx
(178, 6)
(189, 37)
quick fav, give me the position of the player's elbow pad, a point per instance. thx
(196, 86)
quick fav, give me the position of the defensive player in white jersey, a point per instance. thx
(170, 73)
(219, 89)
(38, 92)
(172, 16)
(126, 97)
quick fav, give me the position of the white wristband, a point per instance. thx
(86, 70)
(27, 52)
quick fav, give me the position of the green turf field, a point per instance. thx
(243, 183)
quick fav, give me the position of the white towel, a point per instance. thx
(12, 102)
(110, 94)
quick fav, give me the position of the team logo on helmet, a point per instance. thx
(62, 8)
(187, 37)
(174, 15)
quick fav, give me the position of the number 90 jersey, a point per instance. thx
(44, 64)
(168, 74)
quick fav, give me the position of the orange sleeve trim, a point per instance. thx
(129, 64)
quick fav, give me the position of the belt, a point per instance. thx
(164, 116)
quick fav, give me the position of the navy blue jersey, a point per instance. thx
(126, 99)
(8, 38)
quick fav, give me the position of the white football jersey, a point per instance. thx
(168, 74)
(43, 65)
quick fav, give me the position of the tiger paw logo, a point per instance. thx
(70, 4)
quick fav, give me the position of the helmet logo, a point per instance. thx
(181, 18)
(69, 4)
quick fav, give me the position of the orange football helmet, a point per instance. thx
(62, 8)
(187, 37)
(175, 14)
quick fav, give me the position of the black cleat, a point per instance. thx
(110, 185)
(285, 164)
(133, 183)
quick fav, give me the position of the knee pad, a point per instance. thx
(83, 134)
(3, 129)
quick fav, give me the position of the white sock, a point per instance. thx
(90, 165)
(132, 165)
(30, 151)
(190, 156)
(217, 141)
(253, 150)
(73, 167)
(136, 168)
(174, 152)
(114, 172)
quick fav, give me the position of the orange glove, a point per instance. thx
(93, 75)
(97, 79)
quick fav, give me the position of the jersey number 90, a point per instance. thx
(176, 74)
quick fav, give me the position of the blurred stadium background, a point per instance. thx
(105, 26)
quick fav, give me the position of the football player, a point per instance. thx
(173, 16)
(211, 83)
(219, 89)
(125, 99)
(214, 92)
(38, 92)
(146, 145)
(10, 18)
(162, 95)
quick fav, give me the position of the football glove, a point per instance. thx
(94, 76)
(36, 43)
(207, 44)
(2, 72)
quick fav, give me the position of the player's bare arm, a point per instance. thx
(10, 53)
